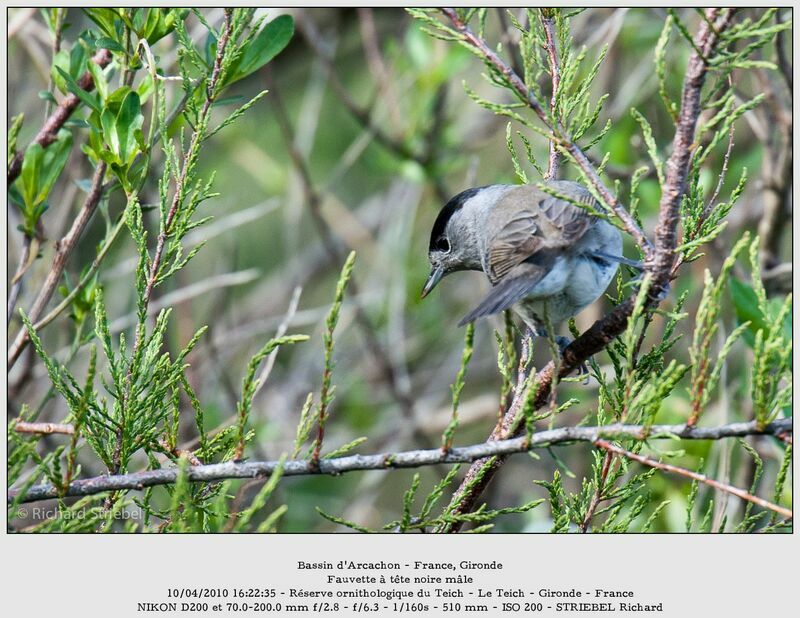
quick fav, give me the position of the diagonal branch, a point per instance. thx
(43, 428)
(677, 167)
(107, 244)
(394, 461)
(702, 478)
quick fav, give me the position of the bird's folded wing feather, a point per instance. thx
(527, 222)
(514, 287)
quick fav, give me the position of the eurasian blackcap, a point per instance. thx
(546, 257)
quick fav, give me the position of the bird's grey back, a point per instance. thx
(526, 221)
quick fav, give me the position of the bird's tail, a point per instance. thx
(619, 259)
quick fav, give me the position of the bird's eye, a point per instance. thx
(442, 244)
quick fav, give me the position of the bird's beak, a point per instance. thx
(433, 279)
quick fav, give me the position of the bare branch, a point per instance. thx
(16, 283)
(280, 332)
(180, 187)
(407, 459)
(44, 428)
(598, 491)
(647, 461)
(552, 60)
(677, 166)
(107, 244)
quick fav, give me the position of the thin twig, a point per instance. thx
(55, 48)
(16, 282)
(723, 172)
(372, 52)
(43, 428)
(195, 143)
(280, 332)
(87, 277)
(107, 244)
(552, 60)
(177, 199)
(187, 293)
(647, 461)
(509, 37)
(49, 131)
(407, 459)
(178, 452)
(598, 491)
(66, 302)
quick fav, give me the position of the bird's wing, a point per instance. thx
(528, 221)
(514, 287)
(570, 221)
(520, 237)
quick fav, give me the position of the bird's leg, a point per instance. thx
(562, 343)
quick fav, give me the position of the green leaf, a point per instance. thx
(55, 158)
(110, 133)
(46, 95)
(100, 83)
(745, 303)
(78, 59)
(116, 98)
(13, 134)
(89, 99)
(29, 177)
(106, 19)
(60, 63)
(159, 23)
(110, 44)
(129, 120)
(41, 168)
(272, 39)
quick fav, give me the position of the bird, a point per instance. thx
(546, 257)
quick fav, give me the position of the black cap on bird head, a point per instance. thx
(439, 240)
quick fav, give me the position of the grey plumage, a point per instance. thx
(543, 255)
